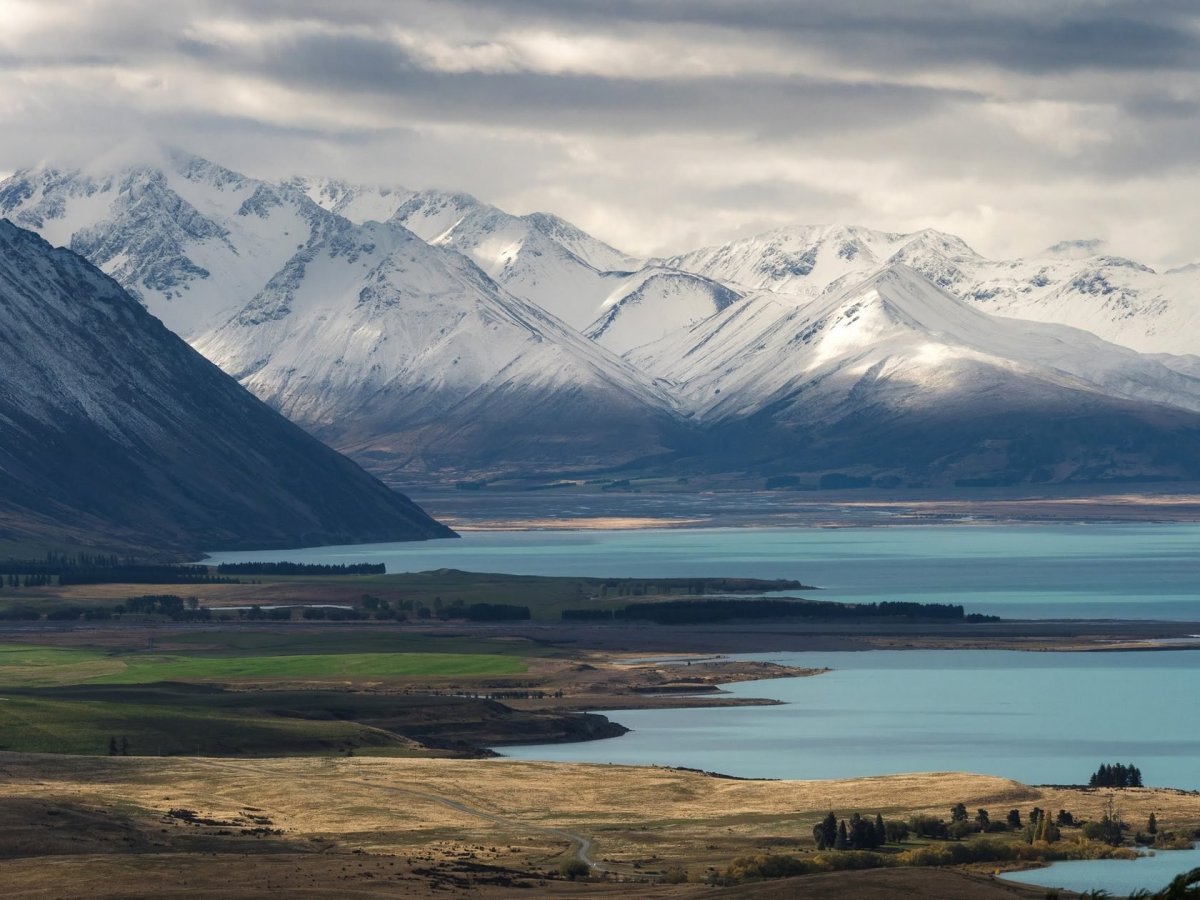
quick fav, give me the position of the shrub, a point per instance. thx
(768, 865)
(851, 859)
(575, 868)
(675, 875)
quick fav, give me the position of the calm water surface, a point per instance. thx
(1117, 876)
(1041, 718)
(1017, 571)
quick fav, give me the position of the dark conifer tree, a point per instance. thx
(829, 827)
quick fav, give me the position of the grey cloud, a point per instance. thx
(1045, 36)
(761, 105)
(939, 116)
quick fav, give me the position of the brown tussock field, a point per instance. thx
(397, 827)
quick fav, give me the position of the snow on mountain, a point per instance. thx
(655, 302)
(1072, 283)
(117, 432)
(804, 260)
(430, 331)
(539, 258)
(1077, 249)
(411, 358)
(189, 238)
(1120, 300)
(900, 327)
(597, 254)
(884, 355)
(357, 202)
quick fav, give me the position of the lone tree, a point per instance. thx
(958, 813)
(1152, 824)
(1014, 819)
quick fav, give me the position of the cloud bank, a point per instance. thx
(659, 125)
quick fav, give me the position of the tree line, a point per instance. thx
(290, 568)
(1116, 775)
(682, 612)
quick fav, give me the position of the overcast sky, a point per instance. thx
(658, 125)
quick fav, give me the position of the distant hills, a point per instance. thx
(118, 434)
(436, 337)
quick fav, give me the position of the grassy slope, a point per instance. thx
(259, 659)
(52, 698)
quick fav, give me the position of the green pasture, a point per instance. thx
(34, 666)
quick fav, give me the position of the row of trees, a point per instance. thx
(685, 612)
(1117, 775)
(860, 833)
(290, 568)
(13, 580)
(863, 833)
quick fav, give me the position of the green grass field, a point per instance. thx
(33, 666)
(49, 725)
(281, 642)
(171, 701)
(319, 667)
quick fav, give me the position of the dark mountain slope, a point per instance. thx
(114, 431)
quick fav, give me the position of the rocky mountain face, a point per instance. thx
(118, 433)
(190, 239)
(428, 333)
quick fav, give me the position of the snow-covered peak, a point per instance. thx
(805, 260)
(1076, 249)
(654, 302)
(909, 338)
(357, 202)
(534, 257)
(591, 250)
(191, 239)
(401, 351)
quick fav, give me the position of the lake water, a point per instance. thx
(1016, 571)
(1117, 876)
(1041, 718)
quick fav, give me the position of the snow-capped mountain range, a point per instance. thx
(427, 331)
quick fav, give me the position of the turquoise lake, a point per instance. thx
(1117, 876)
(1016, 571)
(1041, 718)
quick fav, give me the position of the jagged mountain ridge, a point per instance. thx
(369, 336)
(194, 241)
(117, 432)
(190, 239)
(1074, 283)
(410, 356)
(893, 371)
